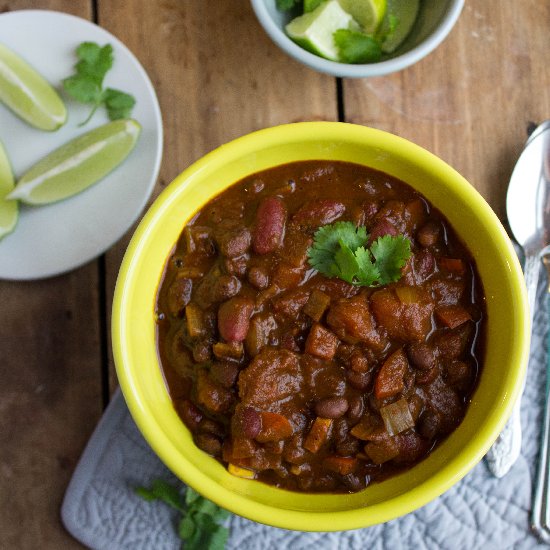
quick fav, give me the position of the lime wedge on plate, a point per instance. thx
(28, 94)
(368, 13)
(77, 164)
(8, 209)
(314, 31)
(405, 13)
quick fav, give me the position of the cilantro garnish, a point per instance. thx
(339, 250)
(287, 5)
(357, 47)
(200, 526)
(86, 85)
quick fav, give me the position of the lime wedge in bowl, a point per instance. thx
(314, 31)
(28, 94)
(78, 164)
(404, 13)
(368, 13)
(9, 210)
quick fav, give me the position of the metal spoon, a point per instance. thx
(527, 205)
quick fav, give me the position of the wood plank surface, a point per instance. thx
(50, 396)
(218, 76)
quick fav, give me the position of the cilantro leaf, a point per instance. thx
(86, 85)
(339, 251)
(391, 254)
(327, 243)
(345, 264)
(161, 490)
(119, 104)
(200, 525)
(368, 273)
(287, 5)
(357, 47)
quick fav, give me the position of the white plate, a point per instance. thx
(52, 239)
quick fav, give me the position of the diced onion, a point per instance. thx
(397, 417)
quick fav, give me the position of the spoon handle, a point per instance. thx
(540, 515)
(507, 447)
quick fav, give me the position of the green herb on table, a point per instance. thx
(86, 85)
(340, 250)
(200, 525)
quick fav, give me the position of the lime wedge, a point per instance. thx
(9, 210)
(404, 12)
(310, 5)
(368, 13)
(314, 31)
(28, 94)
(77, 164)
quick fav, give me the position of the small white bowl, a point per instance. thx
(434, 22)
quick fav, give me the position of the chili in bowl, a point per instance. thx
(320, 326)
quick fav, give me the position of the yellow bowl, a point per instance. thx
(134, 341)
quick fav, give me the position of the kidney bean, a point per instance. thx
(234, 318)
(381, 228)
(208, 443)
(331, 407)
(270, 226)
(251, 422)
(430, 424)
(316, 213)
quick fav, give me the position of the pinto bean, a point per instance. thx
(270, 226)
(422, 356)
(381, 228)
(258, 277)
(234, 318)
(356, 408)
(208, 443)
(179, 295)
(316, 213)
(191, 415)
(331, 407)
(234, 243)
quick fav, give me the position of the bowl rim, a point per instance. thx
(365, 70)
(286, 518)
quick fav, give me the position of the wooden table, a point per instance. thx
(218, 76)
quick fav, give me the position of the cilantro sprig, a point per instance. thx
(86, 85)
(200, 525)
(340, 250)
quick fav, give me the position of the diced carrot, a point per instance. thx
(318, 434)
(343, 465)
(317, 304)
(454, 265)
(389, 380)
(286, 276)
(274, 427)
(321, 342)
(452, 316)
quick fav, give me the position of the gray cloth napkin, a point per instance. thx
(101, 510)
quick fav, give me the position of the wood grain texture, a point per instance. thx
(217, 75)
(50, 396)
(471, 100)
